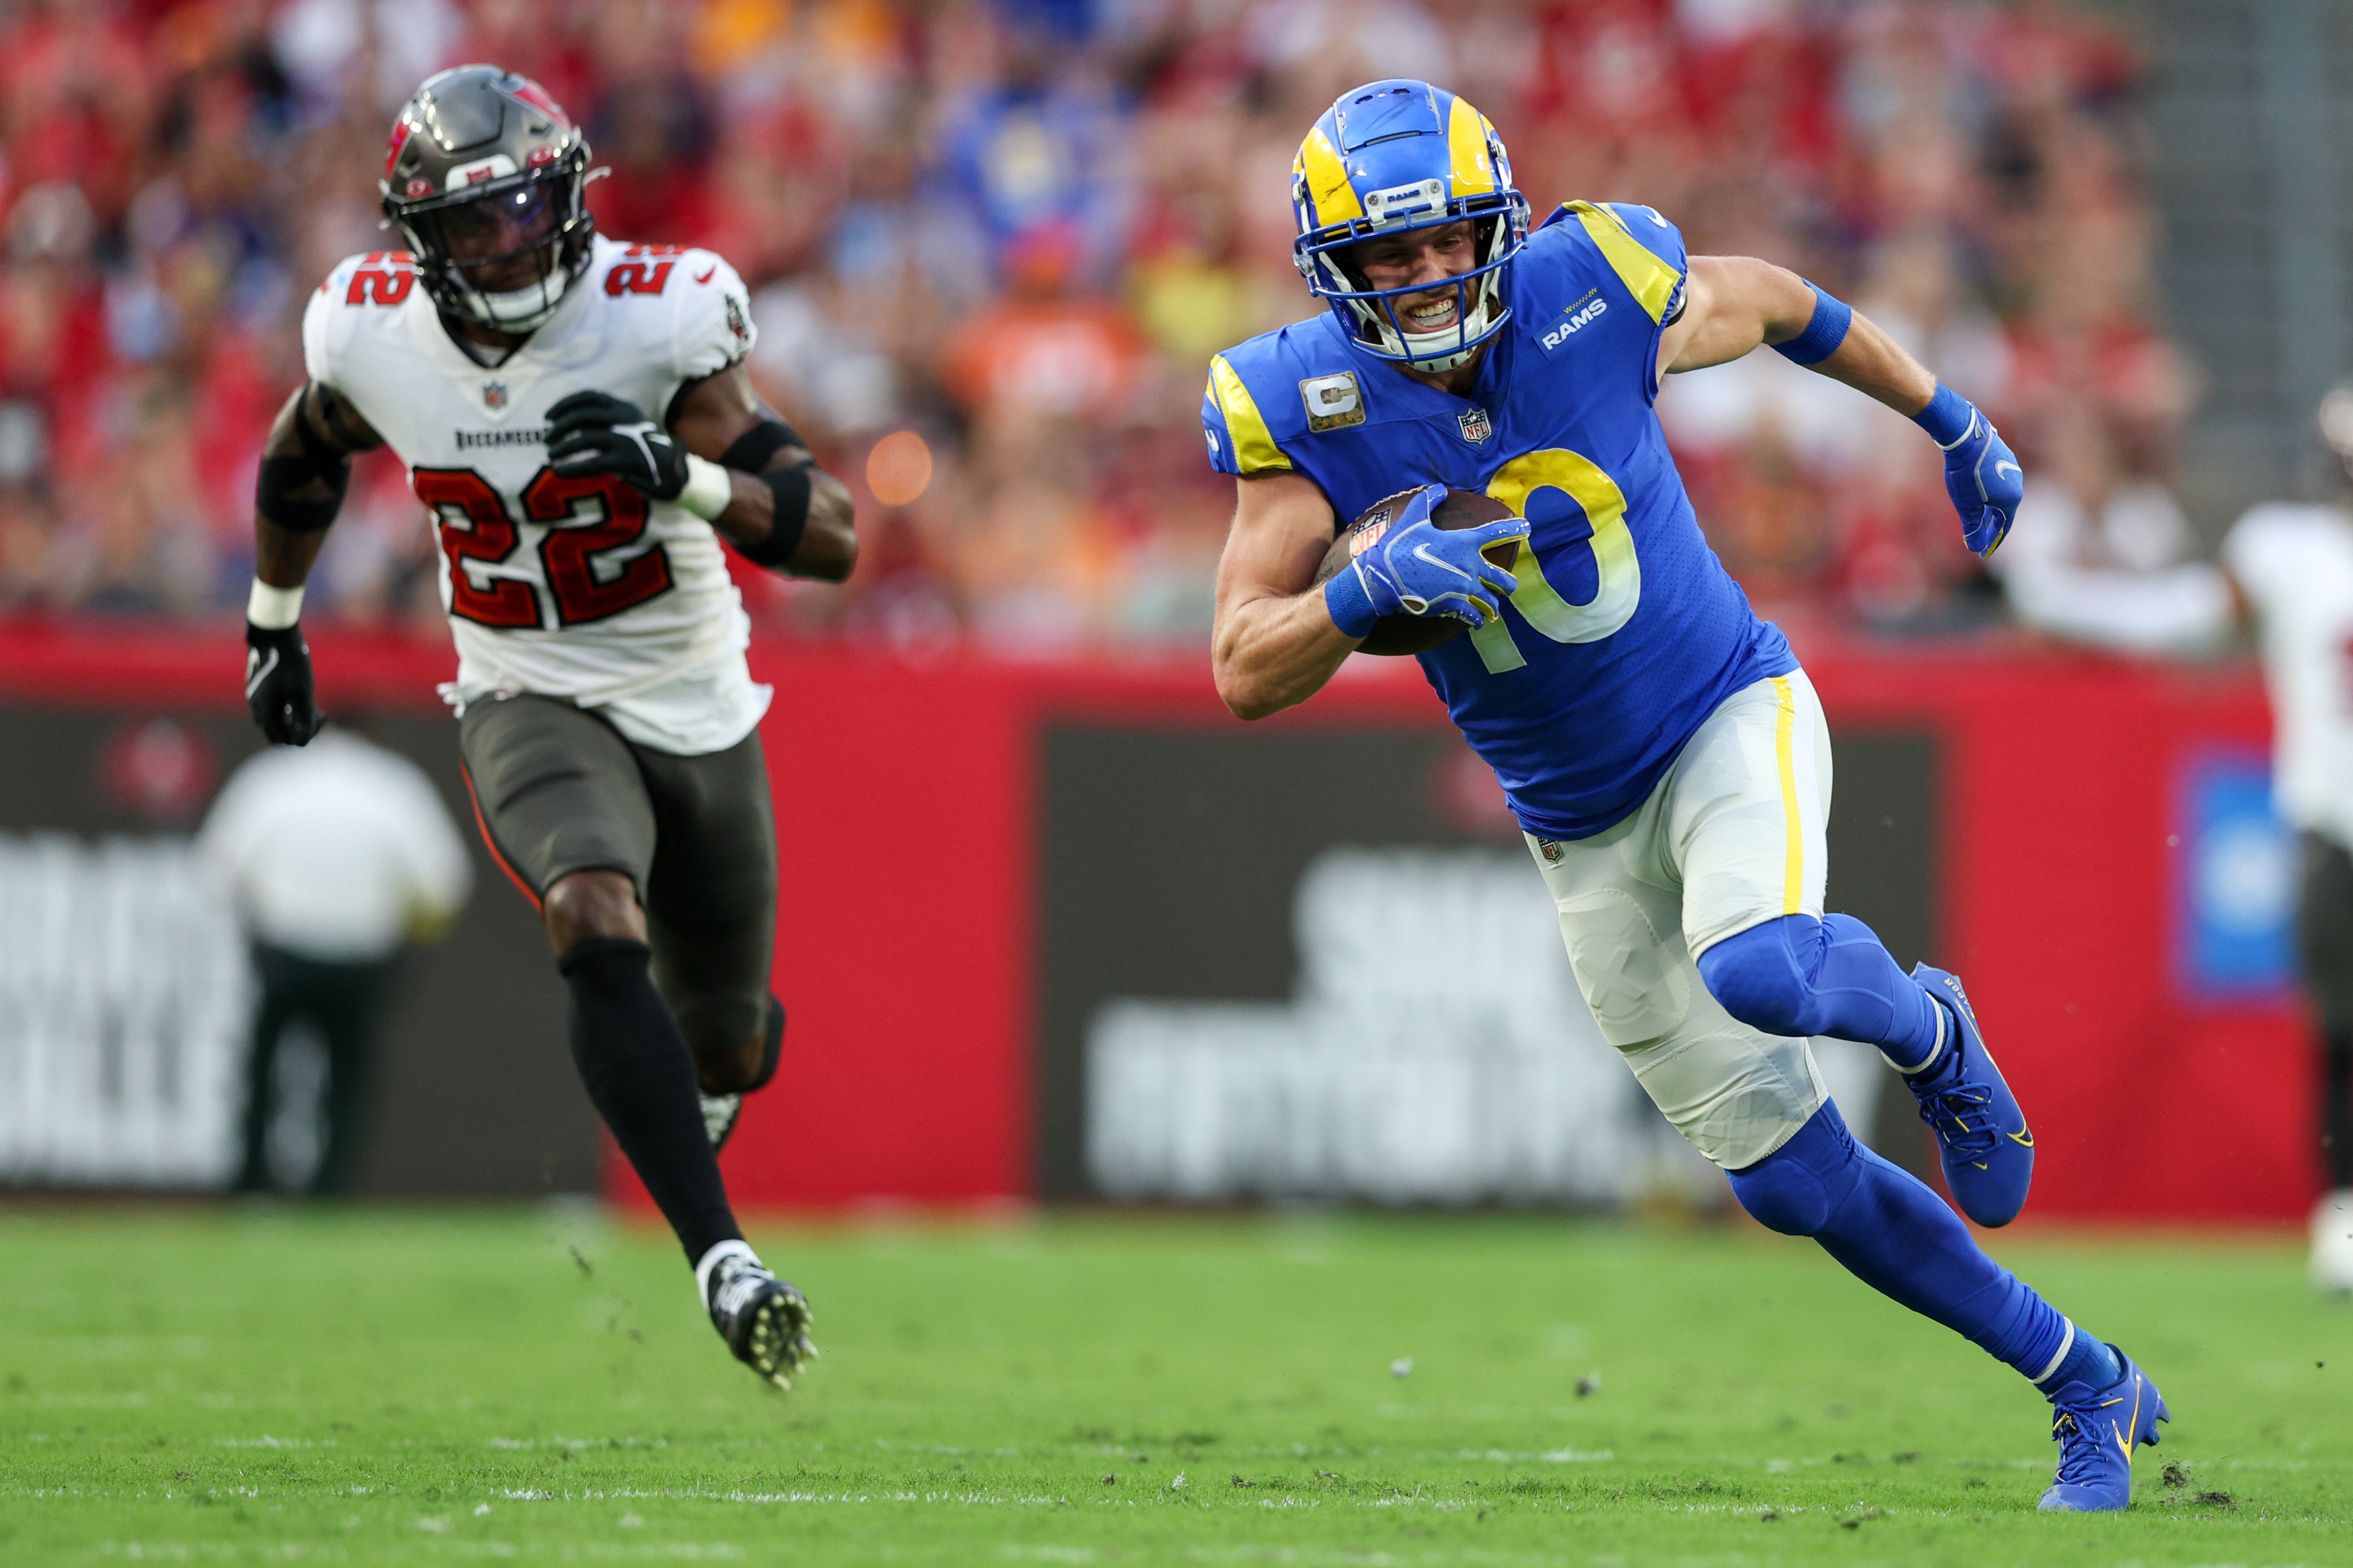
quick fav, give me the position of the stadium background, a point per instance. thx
(1029, 859)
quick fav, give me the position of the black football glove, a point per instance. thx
(277, 684)
(597, 433)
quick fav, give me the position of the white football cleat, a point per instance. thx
(763, 1320)
(2332, 1241)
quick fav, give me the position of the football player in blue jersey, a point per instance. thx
(1665, 753)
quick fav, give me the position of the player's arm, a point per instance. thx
(306, 465)
(727, 459)
(776, 490)
(1279, 635)
(1735, 303)
(1274, 643)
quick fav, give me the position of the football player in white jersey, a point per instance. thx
(576, 418)
(2287, 572)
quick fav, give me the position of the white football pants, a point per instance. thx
(1731, 837)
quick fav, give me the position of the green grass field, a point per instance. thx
(417, 1386)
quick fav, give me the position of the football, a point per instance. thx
(1394, 636)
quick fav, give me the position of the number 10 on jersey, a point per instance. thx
(1617, 575)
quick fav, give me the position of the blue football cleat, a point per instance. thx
(2097, 1430)
(1981, 1135)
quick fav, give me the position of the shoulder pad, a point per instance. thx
(1296, 381)
(1233, 411)
(636, 271)
(357, 289)
(1644, 250)
(710, 311)
(372, 278)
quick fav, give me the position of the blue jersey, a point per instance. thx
(1625, 631)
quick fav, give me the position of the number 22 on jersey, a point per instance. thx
(474, 526)
(1617, 575)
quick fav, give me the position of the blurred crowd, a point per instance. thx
(992, 243)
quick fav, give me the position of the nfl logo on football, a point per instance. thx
(494, 394)
(1475, 427)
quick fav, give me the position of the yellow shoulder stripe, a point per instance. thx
(1651, 281)
(1254, 447)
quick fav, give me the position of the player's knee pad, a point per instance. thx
(717, 1028)
(720, 1025)
(1765, 975)
(772, 1045)
(1797, 1188)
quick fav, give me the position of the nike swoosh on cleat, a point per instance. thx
(2023, 1138)
(709, 273)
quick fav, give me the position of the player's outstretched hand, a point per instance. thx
(1418, 568)
(277, 684)
(597, 433)
(1982, 475)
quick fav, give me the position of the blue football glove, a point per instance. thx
(1981, 473)
(1416, 568)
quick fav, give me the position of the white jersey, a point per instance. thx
(2296, 565)
(578, 588)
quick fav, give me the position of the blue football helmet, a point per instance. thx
(1392, 156)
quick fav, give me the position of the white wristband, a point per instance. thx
(708, 489)
(273, 609)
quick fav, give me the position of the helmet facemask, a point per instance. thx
(502, 255)
(1479, 308)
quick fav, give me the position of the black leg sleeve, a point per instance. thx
(635, 1064)
(2337, 1106)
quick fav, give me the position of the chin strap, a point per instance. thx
(1471, 327)
(543, 297)
(550, 291)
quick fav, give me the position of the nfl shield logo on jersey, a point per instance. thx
(494, 394)
(1475, 427)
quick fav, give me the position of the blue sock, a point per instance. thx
(1898, 1237)
(1799, 975)
(2088, 1362)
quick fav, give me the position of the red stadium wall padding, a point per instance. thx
(903, 936)
(905, 798)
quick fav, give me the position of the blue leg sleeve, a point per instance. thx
(1898, 1237)
(1799, 975)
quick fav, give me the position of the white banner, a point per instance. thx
(1436, 1051)
(125, 999)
